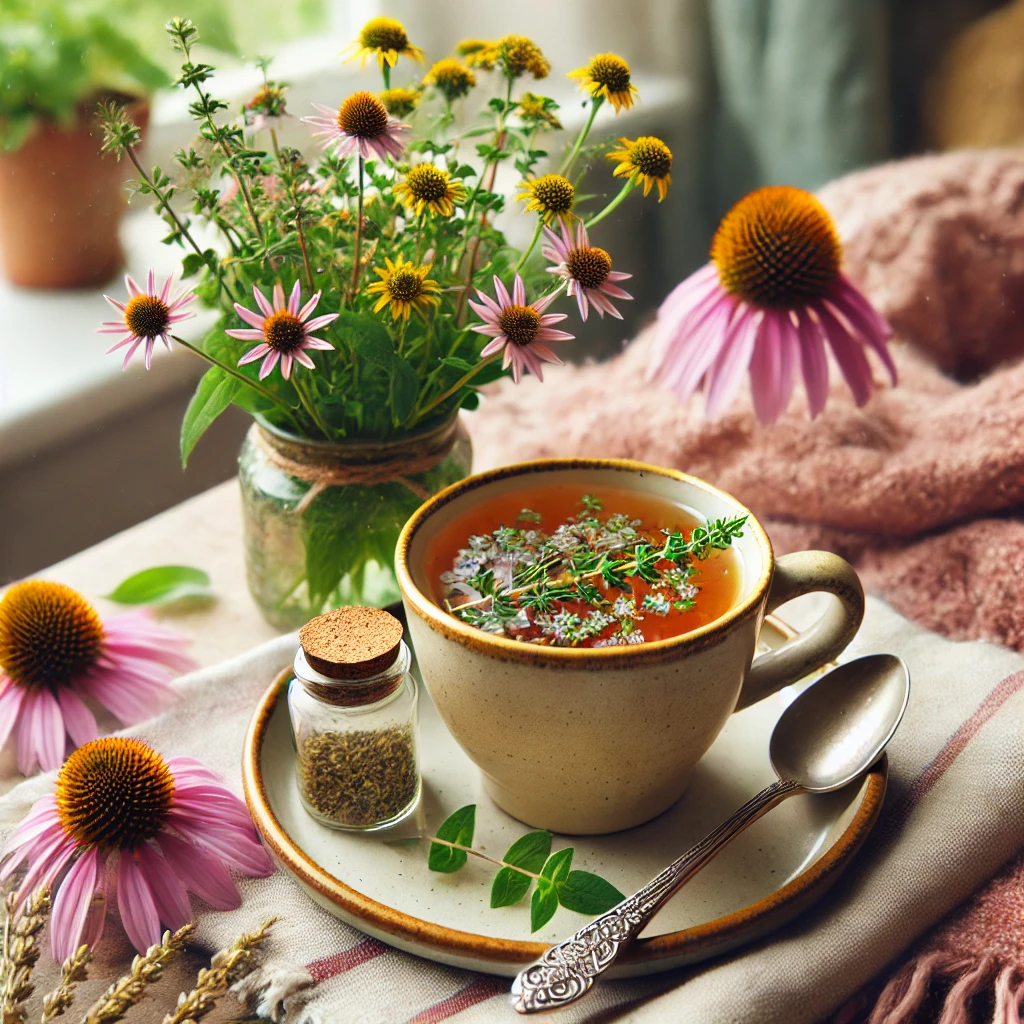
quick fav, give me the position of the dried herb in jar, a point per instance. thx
(359, 778)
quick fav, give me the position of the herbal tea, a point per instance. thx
(552, 565)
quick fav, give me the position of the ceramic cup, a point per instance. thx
(590, 741)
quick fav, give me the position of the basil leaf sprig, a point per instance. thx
(528, 862)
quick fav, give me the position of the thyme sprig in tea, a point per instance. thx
(577, 584)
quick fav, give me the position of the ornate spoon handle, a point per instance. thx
(568, 970)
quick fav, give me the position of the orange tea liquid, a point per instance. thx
(718, 577)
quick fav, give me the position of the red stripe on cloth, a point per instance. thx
(339, 963)
(477, 991)
(954, 747)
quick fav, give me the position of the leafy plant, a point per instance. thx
(57, 57)
(527, 863)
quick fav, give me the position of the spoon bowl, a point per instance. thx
(838, 727)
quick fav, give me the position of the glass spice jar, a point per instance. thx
(353, 706)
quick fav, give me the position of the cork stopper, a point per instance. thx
(351, 643)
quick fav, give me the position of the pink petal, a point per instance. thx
(766, 369)
(131, 351)
(490, 330)
(319, 343)
(41, 819)
(300, 357)
(582, 302)
(200, 871)
(133, 288)
(310, 306)
(519, 291)
(488, 304)
(136, 904)
(493, 346)
(848, 352)
(166, 290)
(41, 733)
(72, 904)
(541, 304)
(541, 351)
(286, 365)
(293, 299)
(532, 363)
(10, 708)
(232, 845)
(119, 306)
(261, 301)
(852, 305)
(151, 283)
(614, 291)
(321, 321)
(168, 893)
(78, 719)
(254, 353)
(688, 357)
(278, 297)
(502, 294)
(245, 334)
(46, 859)
(814, 363)
(268, 364)
(550, 334)
(725, 373)
(149, 352)
(553, 318)
(251, 318)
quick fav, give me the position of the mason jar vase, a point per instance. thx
(322, 518)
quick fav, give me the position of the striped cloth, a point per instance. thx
(954, 814)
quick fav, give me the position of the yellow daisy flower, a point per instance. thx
(404, 287)
(517, 55)
(607, 75)
(386, 38)
(477, 53)
(551, 195)
(400, 102)
(647, 159)
(427, 187)
(451, 77)
(539, 109)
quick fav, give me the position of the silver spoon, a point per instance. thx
(834, 731)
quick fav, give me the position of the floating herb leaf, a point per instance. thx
(529, 859)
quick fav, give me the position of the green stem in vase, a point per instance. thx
(251, 384)
(359, 232)
(307, 404)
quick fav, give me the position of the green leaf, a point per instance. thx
(556, 869)
(543, 905)
(214, 393)
(368, 336)
(456, 828)
(529, 852)
(405, 389)
(587, 893)
(458, 364)
(509, 887)
(161, 584)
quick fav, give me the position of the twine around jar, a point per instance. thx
(360, 462)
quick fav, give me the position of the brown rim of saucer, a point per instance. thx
(504, 649)
(454, 942)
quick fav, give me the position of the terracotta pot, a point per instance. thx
(61, 202)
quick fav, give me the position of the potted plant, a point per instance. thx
(365, 296)
(60, 201)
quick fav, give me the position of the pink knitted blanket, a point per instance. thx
(922, 489)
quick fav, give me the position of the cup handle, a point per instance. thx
(806, 572)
